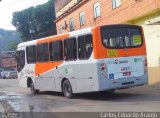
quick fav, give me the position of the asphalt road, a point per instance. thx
(138, 99)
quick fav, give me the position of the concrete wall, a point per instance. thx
(152, 36)
(154, 75)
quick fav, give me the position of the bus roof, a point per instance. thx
(71, 34)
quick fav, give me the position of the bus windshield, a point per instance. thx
(121, 36)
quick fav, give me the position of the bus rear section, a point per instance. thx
(121, 55)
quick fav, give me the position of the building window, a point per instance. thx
(70, 49)
(60, 29)
(42, 52)
(20, 57)
(84, 46)
(116, 3)
(97, 12)
(71, 24)
(31, 54)
(56, 51)
(82, 19)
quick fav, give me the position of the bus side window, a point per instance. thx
(70, 49)
(56, 51)
(31, 54)
(42, 52)
(84, 46)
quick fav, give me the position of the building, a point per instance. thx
(77, 14)
(7, 61)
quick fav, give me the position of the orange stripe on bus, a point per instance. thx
(101, 52)
(53, 38)
(42, 67)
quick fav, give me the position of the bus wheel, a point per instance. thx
(33, 90)
(67, 89)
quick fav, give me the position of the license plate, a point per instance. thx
(126, 73)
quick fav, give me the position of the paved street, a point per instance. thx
(15, 98)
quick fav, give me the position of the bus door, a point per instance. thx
(85, 65)
(44, 67)
(56, 59)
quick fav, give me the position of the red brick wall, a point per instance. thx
(9, 62)
(59, 4)
(128, 10)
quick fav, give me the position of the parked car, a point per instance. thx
(3, 74)
(11, 74)
(0, 76)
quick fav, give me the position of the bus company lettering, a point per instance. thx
(117, 62)
(68, 71)
(137, 59)
(29, 72)
(122, 62)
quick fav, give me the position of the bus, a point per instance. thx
(100, 58)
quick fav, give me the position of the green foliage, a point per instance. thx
(12, 45)
(8, 38)
(37, 20)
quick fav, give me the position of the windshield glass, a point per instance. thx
(120, 36)
(20, 58)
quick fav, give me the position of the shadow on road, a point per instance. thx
(51, 93)
(129, 95)
(107, 97)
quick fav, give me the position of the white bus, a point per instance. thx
(100, 58)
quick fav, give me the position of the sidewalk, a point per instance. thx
(154, 77)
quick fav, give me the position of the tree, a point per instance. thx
(12, 45)
(21, 21)
(35, 22)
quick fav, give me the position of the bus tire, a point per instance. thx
(67, 89)
(33, 90)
